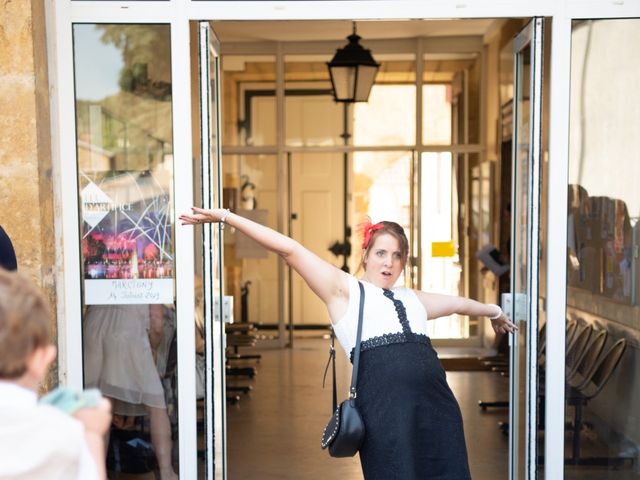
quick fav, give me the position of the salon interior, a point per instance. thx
(438, 136)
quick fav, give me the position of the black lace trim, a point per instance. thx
(391, 339)
(400, 310)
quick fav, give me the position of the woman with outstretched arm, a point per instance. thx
(413, 422)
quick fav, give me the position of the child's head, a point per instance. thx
(24, 328)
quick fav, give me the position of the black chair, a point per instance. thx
(239, 335)
(578, 345)
(583, 366)
(572, 325)
(580, 396)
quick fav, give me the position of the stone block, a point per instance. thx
(16, 38)
(17, 119)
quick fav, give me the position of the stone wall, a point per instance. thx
(26, 193)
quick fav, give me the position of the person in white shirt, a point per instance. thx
(39, 441)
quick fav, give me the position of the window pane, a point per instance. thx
(604, 206)
(248, 100)
(389, 117)
(125, 174)
(451, 99)
(312, 117)
(441, 272)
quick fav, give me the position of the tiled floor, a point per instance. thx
(274, 432)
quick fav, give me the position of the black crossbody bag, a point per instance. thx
(344, 434)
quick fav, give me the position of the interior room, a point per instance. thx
(431, 149)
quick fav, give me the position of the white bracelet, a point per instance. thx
(497, 316)
(223, 218)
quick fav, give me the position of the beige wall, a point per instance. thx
(26, 196)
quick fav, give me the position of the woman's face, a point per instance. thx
(383, 262)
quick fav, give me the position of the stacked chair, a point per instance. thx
(240, 335)
(585, 380)
(588, 370)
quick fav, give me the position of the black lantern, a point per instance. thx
(353, 71)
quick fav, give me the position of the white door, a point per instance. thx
(317, 195)
(317, 222)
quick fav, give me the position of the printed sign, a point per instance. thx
(127, 246)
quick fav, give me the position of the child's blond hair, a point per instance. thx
(24, 323)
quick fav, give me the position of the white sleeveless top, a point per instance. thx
(380, 317)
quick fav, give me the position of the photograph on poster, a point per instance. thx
(127, 246)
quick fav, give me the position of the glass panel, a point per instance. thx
(312, 117)
(437, 114)
(125, 172)
(210, 306)
(521, 254)
(248, 105)
(451, 99)
(473, 223)
(602, 266)
(389, 117)
(441, 272)
(380, 188)
(317, 213)
(251, 188)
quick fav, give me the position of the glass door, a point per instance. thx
(126, 174)
(215, 309)
(525, 250)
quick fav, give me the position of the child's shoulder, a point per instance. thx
(43, 420)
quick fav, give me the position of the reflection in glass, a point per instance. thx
(602, 260)
(125, 172)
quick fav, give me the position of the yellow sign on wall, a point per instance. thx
(443, 249)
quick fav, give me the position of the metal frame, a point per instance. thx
(532, 36)
(62, 13)
(215, 415)
(556, 246)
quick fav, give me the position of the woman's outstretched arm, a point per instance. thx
(438, 305)
(328, 282)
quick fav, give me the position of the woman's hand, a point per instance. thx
(201, 215)
(502, 324)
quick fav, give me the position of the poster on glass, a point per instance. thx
(127, 246)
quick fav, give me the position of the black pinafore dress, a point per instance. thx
(413, 422)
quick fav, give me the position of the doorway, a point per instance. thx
(417, 152)
(185, 244)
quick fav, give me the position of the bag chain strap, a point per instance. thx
(356, 357)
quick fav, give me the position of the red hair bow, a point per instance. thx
(367, 232)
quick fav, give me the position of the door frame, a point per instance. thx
(214, 314)
(530, 36)
(61, 15)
